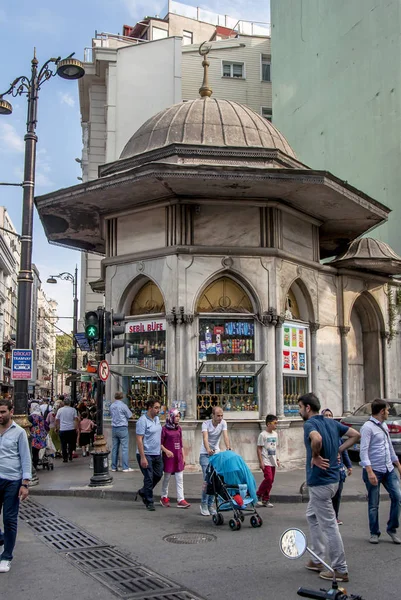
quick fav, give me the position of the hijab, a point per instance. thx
(170, 418)
(35, 409)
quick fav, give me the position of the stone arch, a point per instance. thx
(133, 289)
(365, 365)
(250, 304)
(304, 305)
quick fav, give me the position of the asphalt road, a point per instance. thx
(245, 564)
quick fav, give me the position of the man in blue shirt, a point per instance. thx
(148, 439)
(120, 413)
(321, 437)
(378, 460)
(15, 475)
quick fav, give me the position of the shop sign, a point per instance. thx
(145, 326)
(294, 349)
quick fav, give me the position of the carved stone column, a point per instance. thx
(185, 360)
(171, 333)
(279, 370)
(313, 327)
(385, 337)
(344, 369)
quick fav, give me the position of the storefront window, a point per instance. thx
(295, 365)
(146, 353)
(226, 339)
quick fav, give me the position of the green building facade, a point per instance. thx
(337, 93)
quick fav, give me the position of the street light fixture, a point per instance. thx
(68, 68)
(74, 279)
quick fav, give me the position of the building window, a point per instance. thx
(158, 33)
(265, 67)
(234, 70)
(267, 113)
(187, 38)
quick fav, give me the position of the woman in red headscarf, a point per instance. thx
(173, 458)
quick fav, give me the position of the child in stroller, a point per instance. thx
(233, 486)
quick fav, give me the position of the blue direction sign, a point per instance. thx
(21, 364)
(82, 342)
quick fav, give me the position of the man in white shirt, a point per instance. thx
(67, 426)
(212, 429)
(379, 462)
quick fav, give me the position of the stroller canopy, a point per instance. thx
(234, 470)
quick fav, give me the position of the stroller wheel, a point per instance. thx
(255, 521)
(260, 521)
(235, 524)
(51, 467)
(44, 467)
(218, 519)
(241, 517)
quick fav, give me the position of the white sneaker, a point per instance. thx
(212, 510)
(204, 510)
(128, 470)
(5, 566)
(269, 505)
(114, 470)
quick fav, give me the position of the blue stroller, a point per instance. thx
(233, 486)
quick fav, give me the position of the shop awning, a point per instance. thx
(231, 368)
(135, 371)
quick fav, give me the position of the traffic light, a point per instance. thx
(113, 327)
(92, 326)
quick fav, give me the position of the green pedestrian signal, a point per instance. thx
(92, 326)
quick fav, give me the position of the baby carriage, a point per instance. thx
(233, 486)
(47, 454)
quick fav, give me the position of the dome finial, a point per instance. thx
(205, 90)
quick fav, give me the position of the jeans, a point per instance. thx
(179, 482)
(323, 526)
(267, 483)
(120, 437)
(9, 503)
(151, 475)
(204, 462)
(392, 485)
(68, 441)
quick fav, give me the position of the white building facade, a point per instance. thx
(10, 251)
(129, 78)
(45, 345)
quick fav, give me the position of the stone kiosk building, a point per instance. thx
(213, 235)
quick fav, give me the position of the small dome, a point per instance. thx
(370, 254)
(208, 122)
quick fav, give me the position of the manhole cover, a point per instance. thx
(189, 538)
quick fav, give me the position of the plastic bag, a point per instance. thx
(50, 445)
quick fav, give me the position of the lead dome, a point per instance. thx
(207, 122)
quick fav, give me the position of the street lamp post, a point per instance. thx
(68, 68)
(74, 280)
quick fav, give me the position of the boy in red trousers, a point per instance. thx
(268, 461)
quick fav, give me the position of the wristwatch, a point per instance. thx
(25, 485)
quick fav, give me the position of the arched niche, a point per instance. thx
(224, 295)
(148, 300)
(298, 303)
(364, 351)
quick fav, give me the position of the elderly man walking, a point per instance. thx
(120, 413)
(322, 437)
(15, 475)
(379, 462)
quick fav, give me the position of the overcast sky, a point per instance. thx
(57, 29)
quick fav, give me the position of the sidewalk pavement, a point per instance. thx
(72, 479)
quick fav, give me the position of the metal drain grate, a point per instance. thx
(123, 576)
(51, 526)
(135, 582)
(30, 510)
(64, 541)
(181, 595)
(189, 538)
(99, 559)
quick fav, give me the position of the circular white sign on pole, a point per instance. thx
(104, 370)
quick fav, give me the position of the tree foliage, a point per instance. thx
(63, 353)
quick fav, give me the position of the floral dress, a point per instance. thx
(38, 431)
